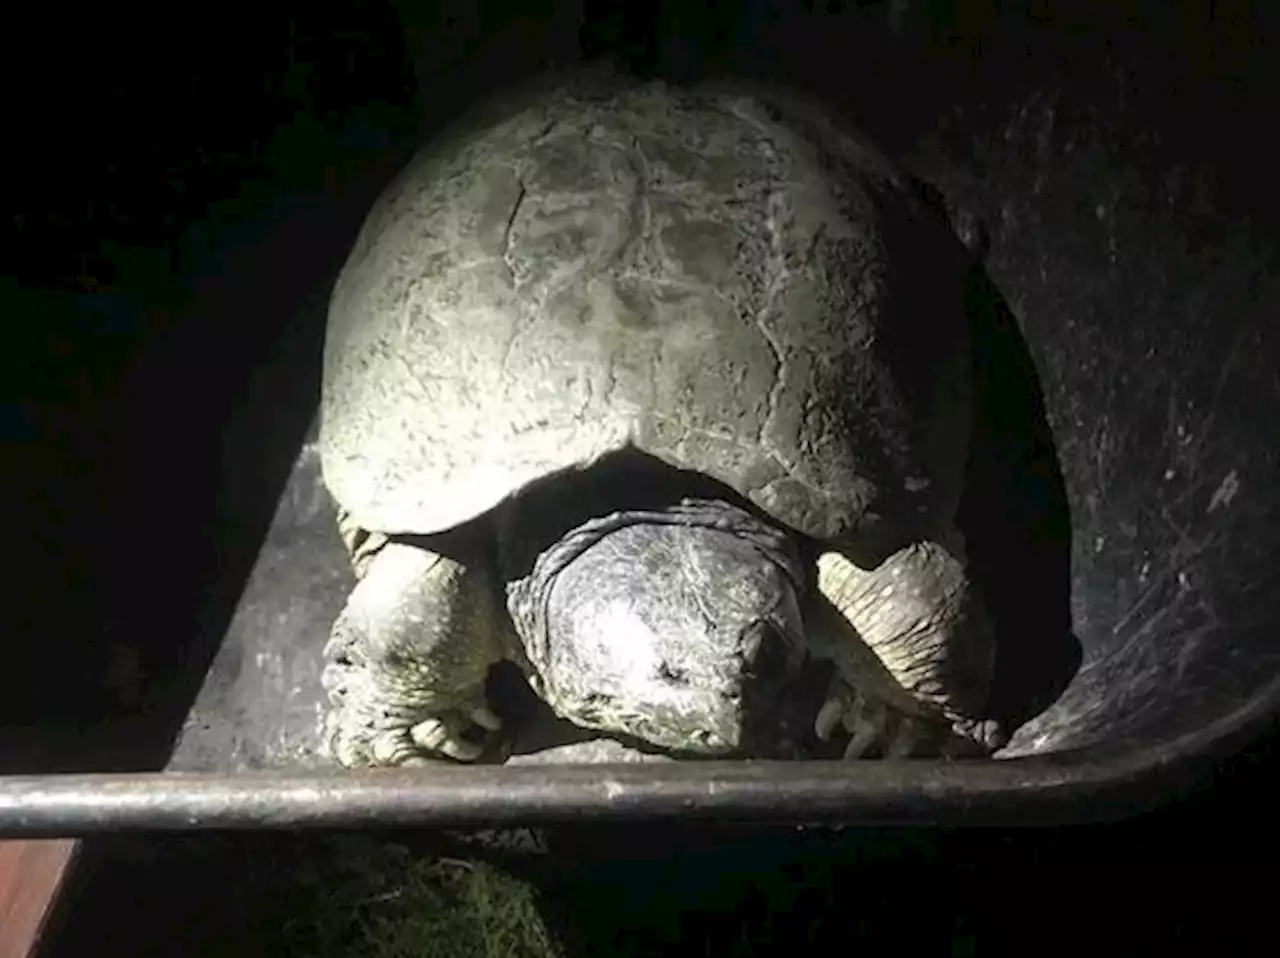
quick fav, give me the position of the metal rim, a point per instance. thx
(1089, 785)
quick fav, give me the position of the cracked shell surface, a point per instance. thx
(716, 275)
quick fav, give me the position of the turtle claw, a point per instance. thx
(864, 721)
(443, 736)
(864, 732)
(988, 734)
(905, 739)
(873, 727)
(352, 743)
(486, 719)
(404, 748)
(390, 748)
(829, 718)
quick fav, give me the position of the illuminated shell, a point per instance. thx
(719, 276)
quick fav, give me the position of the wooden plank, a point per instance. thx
(31, 875)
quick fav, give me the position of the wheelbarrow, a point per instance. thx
(1122, 506)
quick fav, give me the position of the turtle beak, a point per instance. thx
(746, 717)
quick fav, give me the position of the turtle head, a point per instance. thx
(678, 627)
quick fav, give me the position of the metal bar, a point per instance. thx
(1090, 785)
(1095, 784)
(873, 793)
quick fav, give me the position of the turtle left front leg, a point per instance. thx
(924, 619)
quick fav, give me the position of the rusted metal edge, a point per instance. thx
(32, 875)
(1092, 784)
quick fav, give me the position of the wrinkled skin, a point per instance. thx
(680, 627)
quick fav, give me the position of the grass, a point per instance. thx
(699, 891)
(298, 897)
(375, 900)
(368, 896)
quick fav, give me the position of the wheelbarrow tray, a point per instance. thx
(1124, 501)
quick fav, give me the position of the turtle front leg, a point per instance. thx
(408, 658)
(925, 620)
(879, 716)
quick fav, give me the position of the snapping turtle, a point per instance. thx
(659, 392)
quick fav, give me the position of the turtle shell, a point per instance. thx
(718, 275)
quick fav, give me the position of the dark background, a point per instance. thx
(169, 167)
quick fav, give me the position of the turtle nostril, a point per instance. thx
(673, 674)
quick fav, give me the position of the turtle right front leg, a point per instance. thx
(408, 658)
